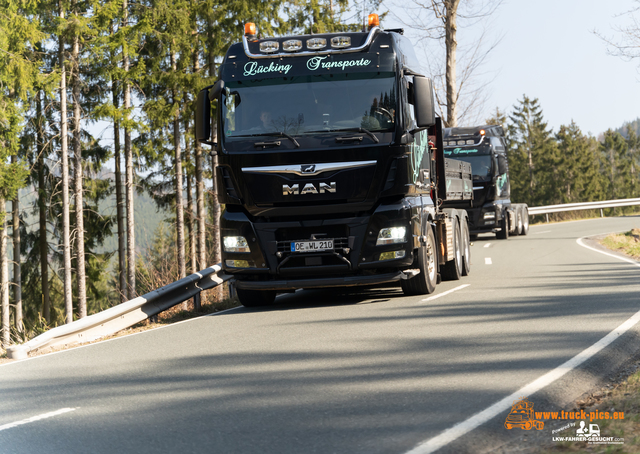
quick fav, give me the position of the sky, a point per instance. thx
(549, 51)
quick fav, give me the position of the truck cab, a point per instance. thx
(328, 168)
(485, 148)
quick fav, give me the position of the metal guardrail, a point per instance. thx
(124, 315)
(583, 206)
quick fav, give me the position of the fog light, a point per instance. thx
(238, 264)
(316, 43)
(235, 244)
(269, 46)
(292, 45)
(340, 42)
(391, 235)
(391, 255)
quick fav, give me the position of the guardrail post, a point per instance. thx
(196, 302)
(547, 216)
(232, 291)
(601, 213)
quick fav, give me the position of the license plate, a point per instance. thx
(311, 246)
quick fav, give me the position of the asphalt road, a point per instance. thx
(368, 371)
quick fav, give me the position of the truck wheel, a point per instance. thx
(256, 298)
(466, 249)
(451, 271)
(503, 234)
(425, 282)
(525, 220)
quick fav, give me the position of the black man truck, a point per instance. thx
(330, 164)
(485, 148)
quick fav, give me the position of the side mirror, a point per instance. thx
(502, 164)
(216, 90)
(203, 111)
(423, 102)
(203, 116)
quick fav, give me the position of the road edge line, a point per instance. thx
(466, 426)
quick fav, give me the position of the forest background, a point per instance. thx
(85, 226)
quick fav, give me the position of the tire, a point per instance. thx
(466, 248)
(452, 270)
(256, 298)
(503, 234)
(525, 220)
(425, 282)
(519, 226)
(528, 425)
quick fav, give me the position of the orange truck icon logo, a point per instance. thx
(522, 416)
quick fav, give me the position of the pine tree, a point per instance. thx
(530, 145)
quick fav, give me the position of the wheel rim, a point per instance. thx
(467, 251)
(431, 263)
(458, 248)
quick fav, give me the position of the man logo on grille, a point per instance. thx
(308, 168)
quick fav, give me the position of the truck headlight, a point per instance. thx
(490, 215)
(391, 235)
(235, 244)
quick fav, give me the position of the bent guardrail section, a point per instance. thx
(583, 206)
(124, 315)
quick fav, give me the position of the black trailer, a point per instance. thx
(485, 148)
(331, 166)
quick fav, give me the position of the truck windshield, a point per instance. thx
(309, 104)
(479, 158)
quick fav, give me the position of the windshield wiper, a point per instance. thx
(277, 133)
(366, 131)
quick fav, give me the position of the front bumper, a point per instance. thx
(355, 259)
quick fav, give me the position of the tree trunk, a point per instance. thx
(42, 210)
(128, 153)
(5, 339)
(451, 44)
(78, 182)
(66, 243)
(120, 211)
(216, 292)
(17, 275)
(200, 213)
(178, 181)
(190, 226)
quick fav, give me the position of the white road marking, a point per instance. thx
(460, 287)
(487, 260)
(544, 231)
(487, 245)
(505, 404)
(36, 418)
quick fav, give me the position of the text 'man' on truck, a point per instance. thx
(330, 163)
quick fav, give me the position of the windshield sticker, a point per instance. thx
(252, 68)
(315, 63)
